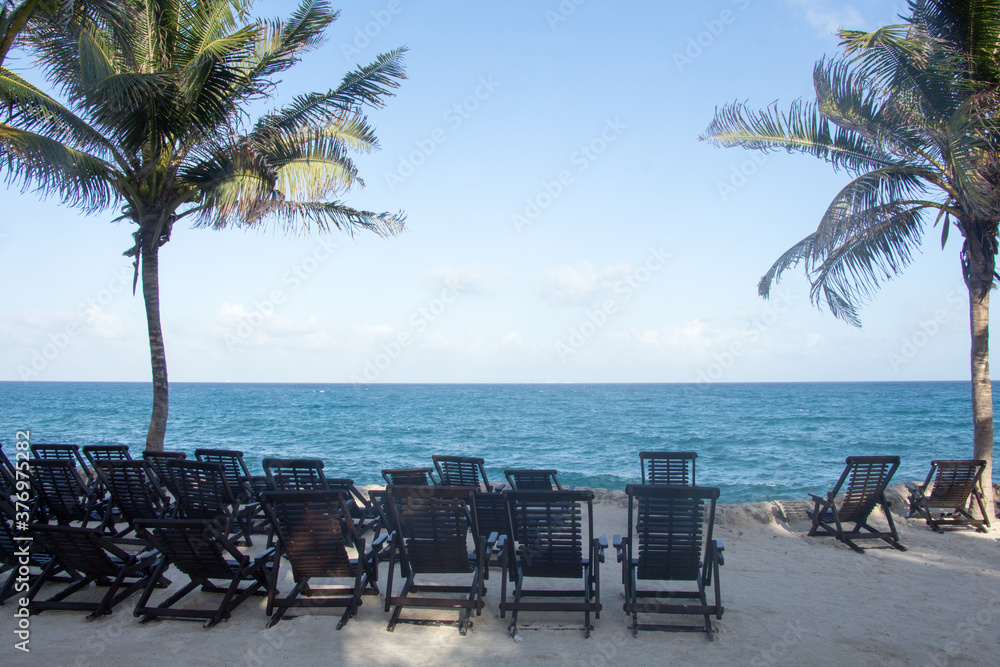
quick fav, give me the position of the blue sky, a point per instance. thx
(564, 222)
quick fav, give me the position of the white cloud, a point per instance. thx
(582, 285)
(467, 278)
(828, 16)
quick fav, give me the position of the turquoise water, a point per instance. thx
(755, 441)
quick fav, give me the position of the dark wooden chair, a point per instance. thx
(294, 474)
(157, 462)
(553, 541)
(533, 480)
(59, 452)
(957, 485)
(673, 468)
(237, 474)
(201, 550)
(670, 539)
(203, 493)
(133, 494)
(462, 471)
(433, 525)
(867, 478)
(409, 476)
(25, 559)
(92, 555)
(64, 497)
(95, 453)
(314, 530)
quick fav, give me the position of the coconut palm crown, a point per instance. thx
(907, 112)
(154, 120)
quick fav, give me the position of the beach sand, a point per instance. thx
(789, 599)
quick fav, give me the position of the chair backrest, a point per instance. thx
(95, 453)
(132, 490)
(8, 474)
(314, 529)
(669, 529)
(954, 482)
(532, 480)
(47, 452)
(433, 524)
(866, 477)
(548, 527)
(235, 468)
(59, 489)
(409, 476)
(157, 462)
(461, 471)
(201, 487)
(674, 468)
(195, 547)
(294, 474)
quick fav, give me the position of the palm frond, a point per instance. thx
(49, 167)
(802, 129)
(367, 85)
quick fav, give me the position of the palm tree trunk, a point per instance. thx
(982, 390)
(157, 353)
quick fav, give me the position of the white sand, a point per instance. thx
(790, 600)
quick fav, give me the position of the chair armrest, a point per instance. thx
(500, 487)
(719, 548)
(818, 499)
(601, 543)
(913, 488)
(617, 541)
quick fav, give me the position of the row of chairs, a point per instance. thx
(546, 531)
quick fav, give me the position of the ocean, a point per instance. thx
(756, 442)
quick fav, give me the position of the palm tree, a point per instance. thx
(906, 112)
(156, 121)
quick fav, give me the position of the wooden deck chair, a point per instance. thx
(409, 476)
(314, 531)
(532, 480)
(57, 452)
(95, 453)
(673, 468)
(203, 492)
(434, 525)
(553, 542)
(867, 478)
(133, 494)
(64, 497)
(200, 549)
(294, 474)
(957, 484)
(462, 471)
(157, 462)
(16, 552)
(91, 554)
(670, 539)
(235, 468)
